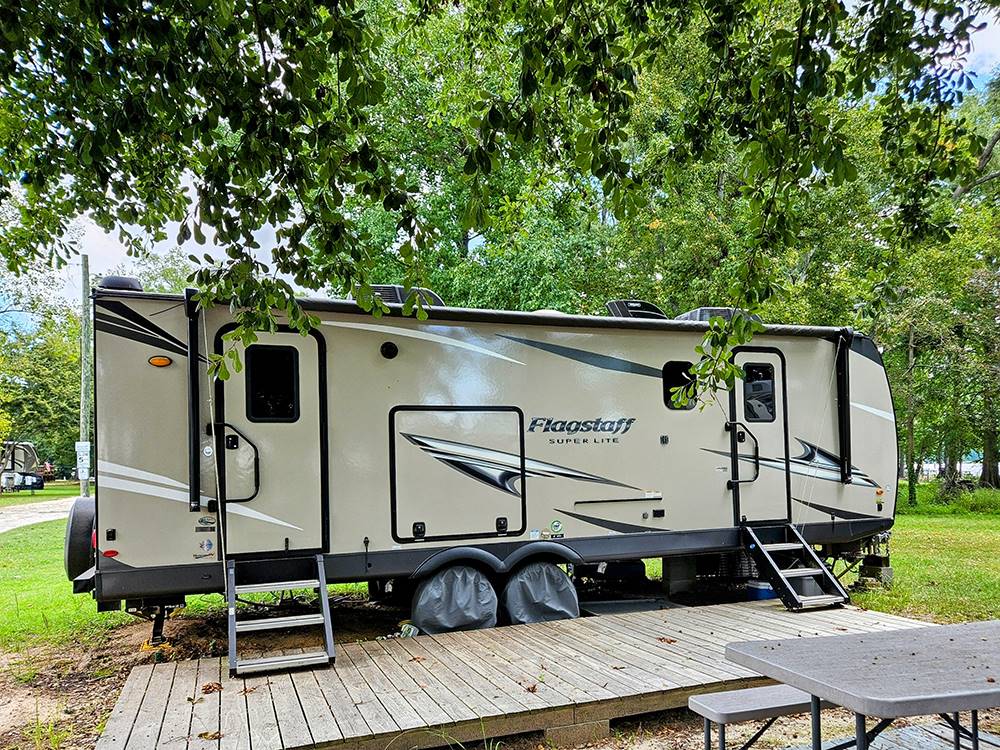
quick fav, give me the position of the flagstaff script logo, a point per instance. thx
(598, 431)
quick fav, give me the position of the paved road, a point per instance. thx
(15, 516)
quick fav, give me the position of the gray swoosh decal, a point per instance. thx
(847, 515)
(604, 361)
(620, 526)
(498, 469)
(814, 462)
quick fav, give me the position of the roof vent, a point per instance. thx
(634, 308)
(123, 283)
(396, 294)
(704, 314)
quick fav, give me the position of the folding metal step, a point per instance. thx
(801, 572)
(285, 661)
(792, 567)
(781, 546)
(261, 588)
(277, 623)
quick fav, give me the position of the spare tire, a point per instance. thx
(540, 592)
(78, 551)
(458, 597)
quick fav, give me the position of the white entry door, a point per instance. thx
(272, 447)
(759, 440)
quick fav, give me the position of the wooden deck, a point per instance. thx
(461, 687)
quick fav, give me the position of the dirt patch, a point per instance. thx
(61, 696)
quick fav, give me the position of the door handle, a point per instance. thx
(742, 433)
(232, 444)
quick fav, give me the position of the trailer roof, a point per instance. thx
(545, 318)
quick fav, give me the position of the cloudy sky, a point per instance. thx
(106, 252)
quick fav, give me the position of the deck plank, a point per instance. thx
(154, 704)
(205, 716)
(263, 722)
(292, 724)
(180, 705)
(343, 708)
(379, 720)
(388, 694)
(322, 725)
(122, 720)
(234, 723)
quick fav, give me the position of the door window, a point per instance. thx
(758, 393)
(272, 383)
(677, 375)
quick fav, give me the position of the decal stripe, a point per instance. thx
(620, 526)
(120, 308)
(424, 335)
(142, 338)
(604, 361)
(872, 410)
(848, 515)
(127, 471)
(654, 499)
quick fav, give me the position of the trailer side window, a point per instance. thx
(272, 383)
(758, 393)
(676, 375)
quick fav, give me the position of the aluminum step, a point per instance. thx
(822, 600)
(781, 546)
(801, 572)
(285, 661)
(260, 588)
(276, 623)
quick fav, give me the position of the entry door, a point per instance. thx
(758, 438)
(272, 445)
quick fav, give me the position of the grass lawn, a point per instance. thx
(52, 491)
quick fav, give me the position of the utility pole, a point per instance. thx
(86, 381)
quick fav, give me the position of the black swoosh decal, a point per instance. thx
(619, 526)
(847, 515)
(120, 308)
(604, 361)
(134, 335)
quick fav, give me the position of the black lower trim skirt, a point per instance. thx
(118, 581)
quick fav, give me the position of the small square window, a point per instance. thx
(272, 383)
(677, 375)
(758, 393)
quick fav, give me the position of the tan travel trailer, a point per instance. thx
(392, 448)
(19, 466)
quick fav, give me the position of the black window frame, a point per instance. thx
(774, 393)
(667, 388)
(248, 357)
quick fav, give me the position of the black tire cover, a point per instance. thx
(540, 592)
(78, 554)
(458, 597)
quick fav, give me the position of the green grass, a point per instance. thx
(931, 502)
(52, 491)
(946, 569)
(36, 600)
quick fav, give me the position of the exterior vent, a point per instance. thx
(122, 283)
(396, 294)
(704, 314)
(634, 308)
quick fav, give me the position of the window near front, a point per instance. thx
(272, 381)
(677, 375)
(758, 393)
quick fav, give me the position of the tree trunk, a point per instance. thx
(991, 471)
(911, 459)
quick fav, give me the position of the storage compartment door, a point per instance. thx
(456, 472)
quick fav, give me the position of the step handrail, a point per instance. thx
(731, 483)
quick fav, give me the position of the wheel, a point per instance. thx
(540, 592)
(458, 597)
(79, 550)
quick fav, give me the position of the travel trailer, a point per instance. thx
(389, 448)
(19, 467)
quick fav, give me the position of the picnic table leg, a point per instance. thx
(860, 735)
(957, 727)
(708, 735)
(722, 737)
(975, 730)
(817, 735)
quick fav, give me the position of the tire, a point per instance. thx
(540, 592)
(458, 597)
(78, 550)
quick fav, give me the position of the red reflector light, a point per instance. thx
(93, 539)
(110, 553)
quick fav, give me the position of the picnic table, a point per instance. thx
(942, 669)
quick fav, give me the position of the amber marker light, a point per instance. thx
(879, 492)
(160, 360)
